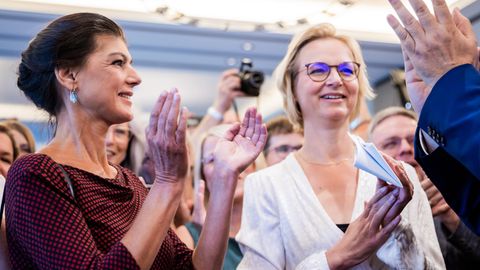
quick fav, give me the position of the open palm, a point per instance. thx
(242, 143)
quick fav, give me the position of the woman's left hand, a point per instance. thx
(241, 144)
(404, 194)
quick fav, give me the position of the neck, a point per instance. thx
(236, 219)
(327, 144)
(80, 142)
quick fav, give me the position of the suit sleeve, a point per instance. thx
(451, 115)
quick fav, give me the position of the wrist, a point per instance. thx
(224, 181)
(215, 113)
(335, 260)
(450, 220)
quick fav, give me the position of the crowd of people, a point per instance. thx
(235, 192)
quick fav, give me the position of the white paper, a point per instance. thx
(369, 159)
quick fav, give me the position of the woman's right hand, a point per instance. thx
(166, 139)
(366, 234)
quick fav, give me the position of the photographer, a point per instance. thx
(233, 83)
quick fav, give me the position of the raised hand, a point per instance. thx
(366, 234)
(242, 143)
(228, 89)
(434, 44)
(166, 138)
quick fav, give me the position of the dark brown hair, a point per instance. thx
(64, 43)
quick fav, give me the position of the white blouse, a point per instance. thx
(284, 225)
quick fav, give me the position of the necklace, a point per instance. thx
(332, 163)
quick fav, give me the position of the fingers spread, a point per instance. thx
(440, 8)
(426, 19)
(406, 41)
(410, 23)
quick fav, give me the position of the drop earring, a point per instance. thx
(73, 96)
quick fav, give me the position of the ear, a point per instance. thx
(66, 78)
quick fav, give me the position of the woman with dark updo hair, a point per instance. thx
(67, 207)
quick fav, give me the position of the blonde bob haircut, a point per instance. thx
(285, 71)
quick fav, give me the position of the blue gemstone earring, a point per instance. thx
(73, 96)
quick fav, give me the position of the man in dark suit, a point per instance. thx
(440, 54)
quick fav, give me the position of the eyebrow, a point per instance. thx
(122, 55)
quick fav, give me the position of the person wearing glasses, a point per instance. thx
(392, 130)
(315, 210)
(282, 140)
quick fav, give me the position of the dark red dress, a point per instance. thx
(49, 229)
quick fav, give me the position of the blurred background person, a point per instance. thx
(204, 173)
(282, 140)
(393, 130)
(125, 144)
(8, 149)
(23, 136)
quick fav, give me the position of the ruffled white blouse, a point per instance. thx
(284, 225)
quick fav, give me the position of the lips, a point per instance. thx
(333, 96)
(127, 95)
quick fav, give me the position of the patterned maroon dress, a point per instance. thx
(47, 228)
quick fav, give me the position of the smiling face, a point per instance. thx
(334, 98)
(116, 141)
(105, 82)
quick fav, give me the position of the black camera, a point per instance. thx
(251, 80)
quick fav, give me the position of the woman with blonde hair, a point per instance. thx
(315, 209)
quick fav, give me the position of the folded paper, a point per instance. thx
(369, 159)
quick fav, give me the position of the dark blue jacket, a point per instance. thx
(451, 116)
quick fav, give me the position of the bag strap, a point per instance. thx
(2, 207)
(68, 180)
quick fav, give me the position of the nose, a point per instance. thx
(334, 78)
(133, 77)
(405, 148)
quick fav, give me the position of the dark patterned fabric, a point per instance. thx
(49, 229)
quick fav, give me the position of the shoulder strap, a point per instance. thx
(2, 207)
(67, 179)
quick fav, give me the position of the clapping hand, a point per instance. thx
(241, 144)
(166, 139)
(432, 45)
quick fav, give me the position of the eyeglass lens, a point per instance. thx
(319, 71)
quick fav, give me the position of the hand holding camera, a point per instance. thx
(236, 83)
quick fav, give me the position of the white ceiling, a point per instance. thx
(363, 19)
